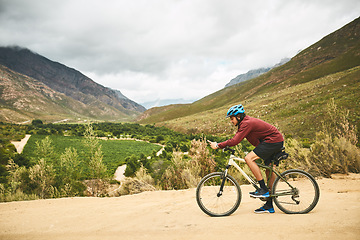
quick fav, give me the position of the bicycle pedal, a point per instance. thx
(265, 199)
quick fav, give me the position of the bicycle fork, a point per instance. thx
(223, 181)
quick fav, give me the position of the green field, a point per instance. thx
(114, 151)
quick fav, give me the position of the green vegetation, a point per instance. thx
(291, 96)
(9, 132)
(313, 100)
(115, 152)
(57, 166)
(297, 110)
(334, 149)
(65, 160)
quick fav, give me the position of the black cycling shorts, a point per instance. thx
(266, 150)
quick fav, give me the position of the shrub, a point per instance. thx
(133, 186)
(334, 149)
(142, 175)
(37, 122)
(334, 155)
(45, 149)
(187, 172)
(298, 155)
(132, 165)
(95, 154)
(43, 175)
(172, 179)
(69, 174)
(96, 187)
(96, 166)
(199, 153)
(18, 195)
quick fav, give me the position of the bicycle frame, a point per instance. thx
(232, 162)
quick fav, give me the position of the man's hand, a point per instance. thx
(213, 145)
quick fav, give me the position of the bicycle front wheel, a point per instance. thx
(212, 200)
(295, 192)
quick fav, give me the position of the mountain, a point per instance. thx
(165, 102)
(24, 98)
(293, 96)
(247, 76)
(101, 102)
(254, 73)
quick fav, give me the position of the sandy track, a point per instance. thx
(175, 215)
(19, 145)
(119, 173)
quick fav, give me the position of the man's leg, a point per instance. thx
(250, 161)
(272, 179)
(268, 206)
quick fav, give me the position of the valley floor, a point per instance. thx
(175, 215)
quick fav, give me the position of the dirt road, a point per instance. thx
(175, 215)
(19, 145)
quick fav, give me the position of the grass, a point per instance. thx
(114, 151)
(295, 110)
(291, 96)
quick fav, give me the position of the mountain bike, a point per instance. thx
(294, 191)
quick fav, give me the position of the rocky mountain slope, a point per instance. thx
(293, 95)
(24, 98)
(254, 73)
(83, 96)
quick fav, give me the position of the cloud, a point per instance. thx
(151, 49)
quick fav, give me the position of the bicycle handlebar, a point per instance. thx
(229, 150)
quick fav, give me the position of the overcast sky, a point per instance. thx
(168, 49)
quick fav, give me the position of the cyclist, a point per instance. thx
(267, 141)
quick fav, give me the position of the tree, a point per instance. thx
(37, 122)
(159, 138)
(43, 175)
(70, 173)
(45, 149)
(132, 165)
(96, 166)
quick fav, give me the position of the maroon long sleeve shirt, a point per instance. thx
(255, 131)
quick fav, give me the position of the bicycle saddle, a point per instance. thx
(280, 155)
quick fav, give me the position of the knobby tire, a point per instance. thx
(213, 203)
(300, 199)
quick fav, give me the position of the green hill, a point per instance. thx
(291, 96)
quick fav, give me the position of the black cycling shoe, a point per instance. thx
(264, 210)
(261, 193)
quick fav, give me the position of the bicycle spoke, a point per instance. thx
(301, 197)
(212, 203)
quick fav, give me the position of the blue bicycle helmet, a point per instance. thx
(235, 110)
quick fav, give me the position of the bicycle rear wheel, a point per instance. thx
(213, 202)
(296, 192)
